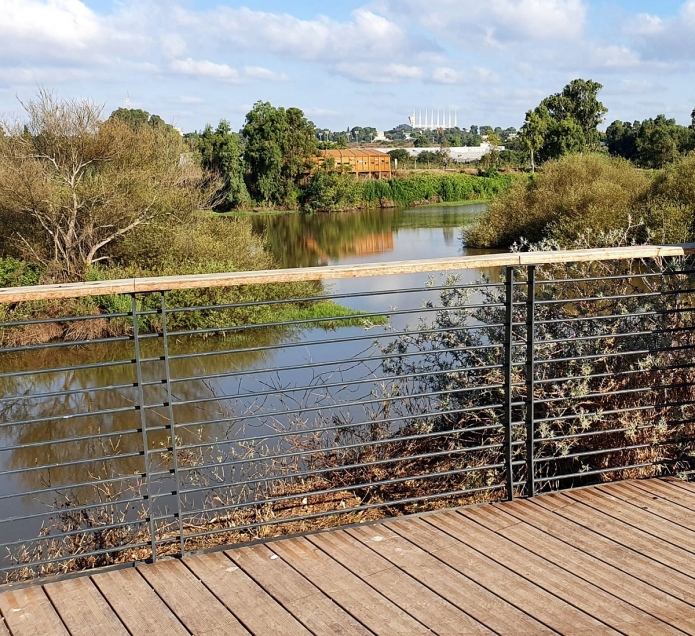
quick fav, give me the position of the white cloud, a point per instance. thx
(224, 72)
(258, 72)
(378, 73)
(498, 22)
(443, 75)
(205, 68)
(665, 39)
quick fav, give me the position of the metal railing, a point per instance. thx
(163, 416)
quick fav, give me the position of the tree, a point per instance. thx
(71, 184)
(137, 117)
(220, 151)
(570, 120)
(533, 133)
(279, 151)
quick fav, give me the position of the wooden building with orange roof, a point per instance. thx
(364, 162)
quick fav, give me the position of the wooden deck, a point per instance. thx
(614, 559)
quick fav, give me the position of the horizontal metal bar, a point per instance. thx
(71, 533)
(66, 343)
(583, 319)
(592, 279)
(597, 298)
(47, 321)
(590, 396)
(77, 367)
(84, 508)
(332, 385)
(327, 341)
(79, 462)
(603, 336)
(345, 447)
(321, 471)
(352, 510)
(315, 365)
(313, 321)
(611, 374)
(610, 431)
(603, 451)
(343, 296)
(96, 389)
(601, 471)
(84, 484)
(66, 440)
(70, 416)
(324, 429)
(79, 555)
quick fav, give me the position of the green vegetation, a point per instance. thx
(592, 192)
(564, 122)
(434, 188)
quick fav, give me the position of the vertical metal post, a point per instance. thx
(171, 426)
(143, 426)
(530, 381)
(508, 414)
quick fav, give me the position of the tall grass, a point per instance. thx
(435, 188)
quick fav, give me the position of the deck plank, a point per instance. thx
(368, 606)
(647, 606)
(655, 505)
(578, 592)
(309, 605)
(29, 612)
(483, 565)
(624, 558)
(410, 595)
(83, 609)
(187, 597)
(616, 528)
(483, 605)
(249, 602)
(137, 605)
(678, 536)
(3, 627)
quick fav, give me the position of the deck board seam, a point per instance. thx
(308, 580)
(529, 581)
(392, 601)
(648, 511)
(425, 585)
(574, 574)
(624, 547)
(634, 527)
(474, 582)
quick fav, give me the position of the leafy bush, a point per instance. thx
(569, 195)
(330, 191)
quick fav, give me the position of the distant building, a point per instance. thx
(364, 162)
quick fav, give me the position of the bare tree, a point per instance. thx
(71, 184)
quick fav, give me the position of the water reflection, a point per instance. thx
(320, 239)
(208, 390)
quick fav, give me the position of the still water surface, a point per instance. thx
(33, 458)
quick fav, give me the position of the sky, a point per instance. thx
(346, 62)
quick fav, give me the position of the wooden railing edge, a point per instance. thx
(231, 279)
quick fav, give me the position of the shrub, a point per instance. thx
(569, 195)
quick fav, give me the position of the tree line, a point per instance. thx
(568, 122)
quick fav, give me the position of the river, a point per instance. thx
(218, 396)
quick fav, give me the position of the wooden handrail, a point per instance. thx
(201, 281)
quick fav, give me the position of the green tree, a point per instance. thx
(570, 120)
(279, 152)
(533, 133)
(220, 151)
(656, 142)
(137, 117)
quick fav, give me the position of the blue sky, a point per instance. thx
(349, 62)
